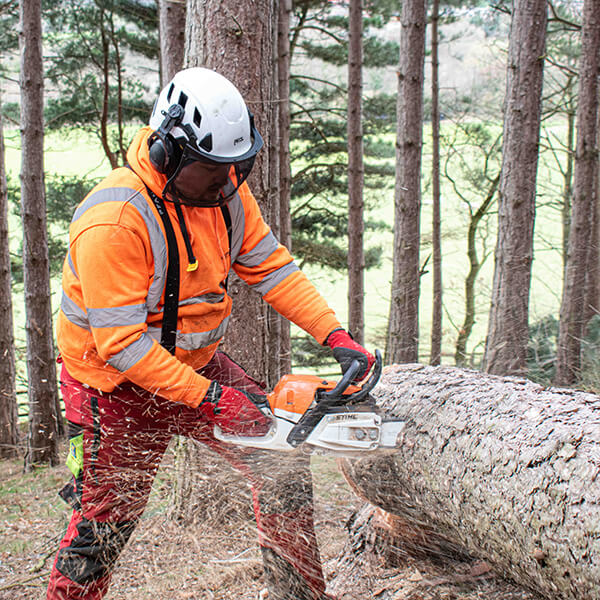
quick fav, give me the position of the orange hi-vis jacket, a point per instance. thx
(109, 325)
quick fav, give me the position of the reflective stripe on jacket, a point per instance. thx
(109, 325)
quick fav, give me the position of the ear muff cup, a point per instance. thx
(162, 153)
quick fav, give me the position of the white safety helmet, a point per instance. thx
(201, 116)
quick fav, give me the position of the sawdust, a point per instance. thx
(167, 560)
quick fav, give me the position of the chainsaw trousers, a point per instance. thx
(123, 436)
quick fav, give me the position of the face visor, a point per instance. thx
(190, 152)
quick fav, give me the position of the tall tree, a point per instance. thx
(356, 205)
(9, 435)
(171, 26)
(563, 51)
(436, 319)
(506, 344)
(285, 172)
(592, 281)
(228, 37)
(42, 439)
(403, 336)
(572, 312)
(319, 126)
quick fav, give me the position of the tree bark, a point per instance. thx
(285, 174)
(403, 335)
(9, 432)
(356, 256)
(171, 27)
(506, 344)
(592, 279)
(436, 318)
(237, 40)
(568, 173)
(572, 312)
(42, 442)
(502, 468)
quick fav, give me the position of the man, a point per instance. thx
(144, 307)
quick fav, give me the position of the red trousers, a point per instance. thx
(125, 434)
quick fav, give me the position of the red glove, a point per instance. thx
(345, 350)
(236, 411)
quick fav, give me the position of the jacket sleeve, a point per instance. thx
(267, 267)
(114, 269)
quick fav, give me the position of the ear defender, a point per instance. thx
(160, 153)
(161, 147)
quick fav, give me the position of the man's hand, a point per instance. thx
(345, 350)
(235, 411)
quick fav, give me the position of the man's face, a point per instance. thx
(199, 183)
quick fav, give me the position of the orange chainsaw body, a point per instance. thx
(296, 393)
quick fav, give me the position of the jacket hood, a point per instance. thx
(139, 160)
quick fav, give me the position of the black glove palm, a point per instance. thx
(346, 350)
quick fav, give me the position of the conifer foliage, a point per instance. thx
(93, 86)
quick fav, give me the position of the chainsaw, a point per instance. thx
(324, 416)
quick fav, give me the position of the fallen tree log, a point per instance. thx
(386, 557)
(505, 469)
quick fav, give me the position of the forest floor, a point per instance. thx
(165, 560)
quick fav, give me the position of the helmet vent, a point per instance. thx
(206, 142)
(197, 118)
(182, 100)
(170, 92)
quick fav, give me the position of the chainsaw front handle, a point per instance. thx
(337, 393)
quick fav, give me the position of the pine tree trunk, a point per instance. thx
(356, 257)
(42, 442)
(568, 173)
(573, 312)
(403, 336)
(501, 468)
(285, 174)
(237, 40)
(592, 280)
(171, 25)
(436, 320)
(506, 344)
(9, 433)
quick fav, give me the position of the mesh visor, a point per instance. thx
(242, 170)
(242, 165)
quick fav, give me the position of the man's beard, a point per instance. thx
(205, 201)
